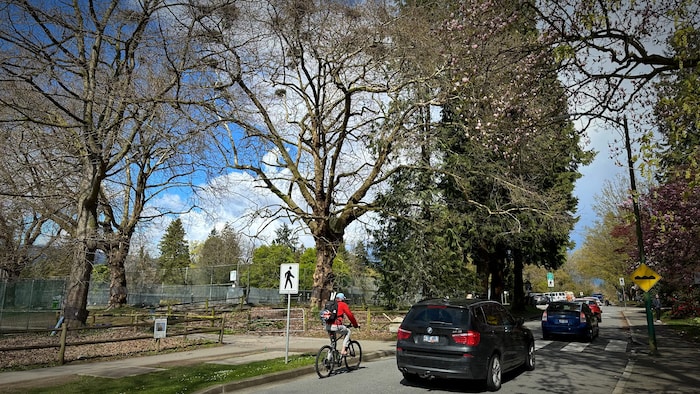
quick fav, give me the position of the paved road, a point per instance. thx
(617, 362)
(563, 366)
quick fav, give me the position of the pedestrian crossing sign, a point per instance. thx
(289, 278)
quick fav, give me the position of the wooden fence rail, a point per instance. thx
(177, 326)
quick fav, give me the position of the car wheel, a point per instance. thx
(590, 334)
(530, 357)
(411, 377)
(494, 373)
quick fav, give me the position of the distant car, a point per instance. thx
(539, 299)
(556, 296)
(462, 339)
(570, 319)
(593, 303)
(601, 299)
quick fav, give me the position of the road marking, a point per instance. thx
(616, 345)
(612, 345)
(541, 343)
(626, 375)
(574, 347)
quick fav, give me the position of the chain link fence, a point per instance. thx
(37, 303)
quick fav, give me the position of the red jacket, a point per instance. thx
(344, 309)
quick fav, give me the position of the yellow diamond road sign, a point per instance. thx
(645, 277)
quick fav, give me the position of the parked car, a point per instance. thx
(462, 339)
(594, 304)
(569, 318)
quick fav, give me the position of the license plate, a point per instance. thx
(563, 321)
(431, 339)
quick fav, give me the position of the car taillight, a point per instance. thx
(544, 316)
(402, 334)
(583, 317)
(469, 338)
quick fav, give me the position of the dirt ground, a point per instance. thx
(44, 350)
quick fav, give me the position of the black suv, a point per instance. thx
(463, 339)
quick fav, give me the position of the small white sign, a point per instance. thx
(232, 276)
(289, 278)
(622, 281)
(159, 328)
(550, 282)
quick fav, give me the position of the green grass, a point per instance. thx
(183, 379)
(687, 328)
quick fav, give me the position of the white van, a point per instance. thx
(556, 296)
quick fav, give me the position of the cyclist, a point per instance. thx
(338, 326)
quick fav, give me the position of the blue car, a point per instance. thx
(569, 319)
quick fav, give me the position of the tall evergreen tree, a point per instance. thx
(285, 236)
(220, 253)
(174, 254)
(508, 159)
(509, 132)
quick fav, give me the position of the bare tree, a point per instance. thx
(26, 233)
(314, 101)
(159, 163)
(83, 81)
(20, 230)
(612, 51)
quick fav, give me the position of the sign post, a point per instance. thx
(289, 284)
(160, 328)
(550, 279)
(624, 295)
(233, 277)
(646, 278)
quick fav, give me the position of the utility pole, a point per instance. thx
(640, 241)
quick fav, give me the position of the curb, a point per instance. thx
(629, 367)
(280, 376)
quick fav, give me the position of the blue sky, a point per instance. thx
(594, 176)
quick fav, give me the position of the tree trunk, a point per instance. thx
(326, 250)
(75, 311)
(86, 237)
(518, 287)
(117, 286)
(497, 277)
(482, 273)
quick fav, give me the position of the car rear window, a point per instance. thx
(563, 307)
(432, 314)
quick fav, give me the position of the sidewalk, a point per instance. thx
(237, 349)
(674, 370)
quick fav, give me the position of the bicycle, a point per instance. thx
(329, 358)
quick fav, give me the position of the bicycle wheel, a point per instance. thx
(354, 356)
(324, 361)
